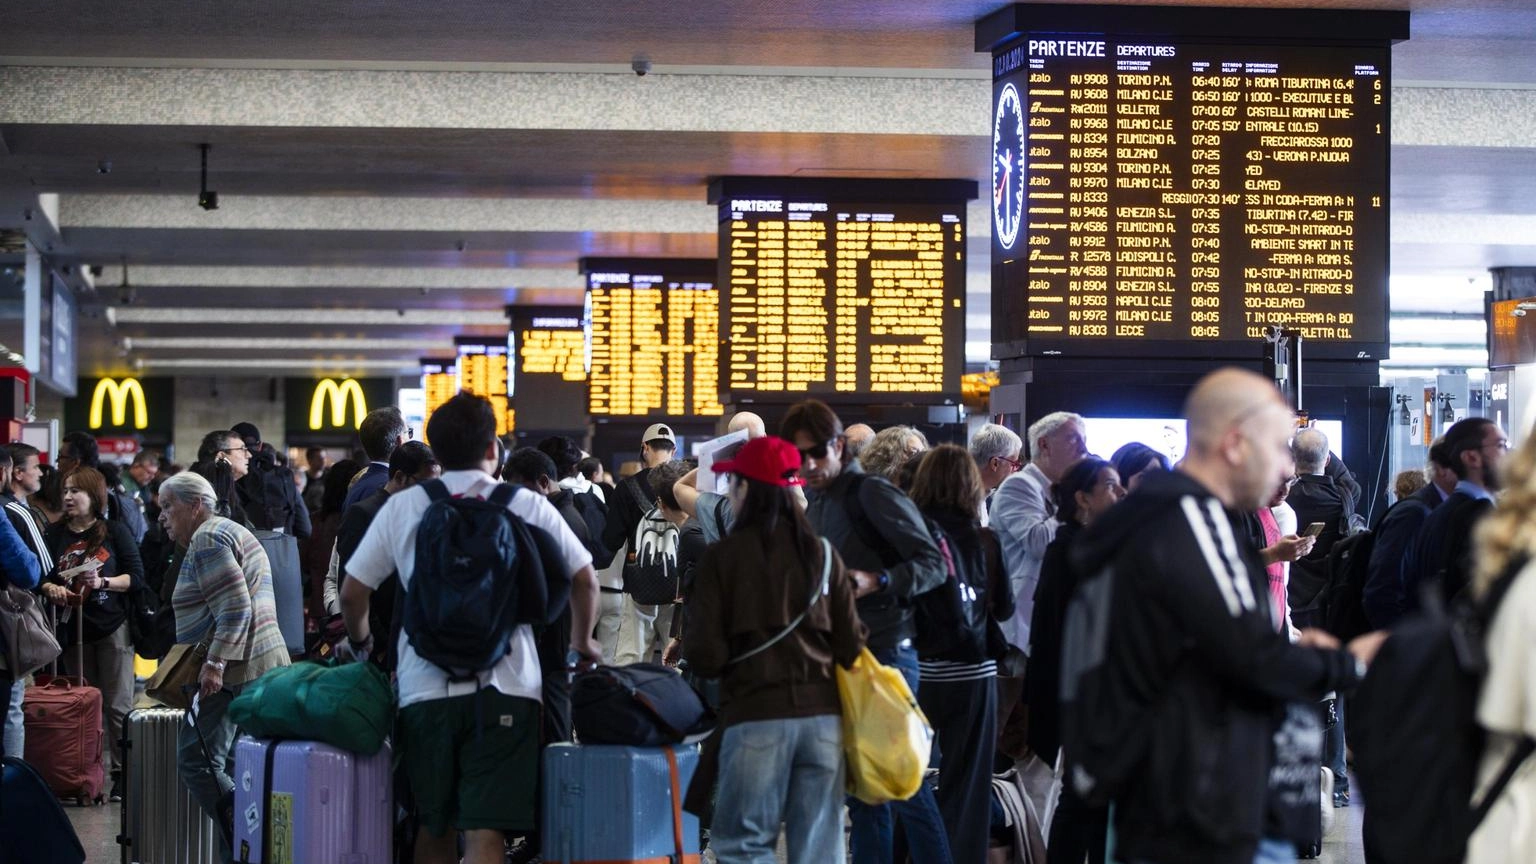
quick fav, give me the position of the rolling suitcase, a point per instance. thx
(287, 586)
(300, 801)
(162, 824)
(33, 826)
(65, 739)
(618, 804)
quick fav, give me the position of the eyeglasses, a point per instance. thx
(1015, 464)
(1502, 444)
(234, 449)
(819, 451)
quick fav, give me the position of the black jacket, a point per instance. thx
(1383, 598)
(1315, 498)
(1196, 671)
(896, 541)
(1443, 551)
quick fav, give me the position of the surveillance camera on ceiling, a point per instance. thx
(208, 199)
(641, 65)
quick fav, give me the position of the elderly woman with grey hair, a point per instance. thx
(890, 450)
(224, 605)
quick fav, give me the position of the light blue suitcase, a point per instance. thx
(618, 804)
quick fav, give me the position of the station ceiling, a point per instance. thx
(443, 160)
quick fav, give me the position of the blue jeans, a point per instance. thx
(1275, 851)
(15, 721)
(873, 829)
(788, 770)
(1333, 753)
(209, 774)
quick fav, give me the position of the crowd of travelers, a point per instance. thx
(1146, 649)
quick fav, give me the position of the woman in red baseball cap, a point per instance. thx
(771, 611)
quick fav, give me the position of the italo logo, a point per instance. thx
(121, 394)
(339, 395)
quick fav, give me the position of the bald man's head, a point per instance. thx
(856, 438)
(746, 421)
(1239, 437)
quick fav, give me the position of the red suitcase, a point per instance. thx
(64, 733)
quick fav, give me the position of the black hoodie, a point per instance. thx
(1195, 673)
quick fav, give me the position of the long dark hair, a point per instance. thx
(221, 476)
(337, 480)
(765, 507)
(1079, 478)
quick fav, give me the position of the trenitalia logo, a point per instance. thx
(339, 395)
(121, 393)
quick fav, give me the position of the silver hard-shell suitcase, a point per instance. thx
(162, 824)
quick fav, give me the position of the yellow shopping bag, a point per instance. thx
(886, 738)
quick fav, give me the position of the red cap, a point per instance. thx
(768, 460)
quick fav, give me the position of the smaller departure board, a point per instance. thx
(439, 382)
(549, 374)
(654, 329)
(842, 288)
(483, 371)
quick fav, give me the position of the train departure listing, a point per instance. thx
(655, 345)
(840, 298)
(1191, 192)
(483, 372)
(439, 382)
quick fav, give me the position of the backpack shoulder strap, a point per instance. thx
(436, 490)
(503, 494)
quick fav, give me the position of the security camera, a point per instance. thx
(104, 167)
(208, 200)
(641, 65)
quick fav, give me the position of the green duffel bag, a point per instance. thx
(349, 706)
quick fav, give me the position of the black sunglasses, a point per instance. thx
(818, 451)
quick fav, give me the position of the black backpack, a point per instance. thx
(595, 513)
(1413, 728)
(268, 505)
(1343, 600)
(952, 618)
(650, 570)
(1102, 738)
(479, 574)
(639, 705)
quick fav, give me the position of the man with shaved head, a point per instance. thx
(1175, 675)
(857, 437)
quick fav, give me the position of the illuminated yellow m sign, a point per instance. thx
(339, 395)
(121, 394)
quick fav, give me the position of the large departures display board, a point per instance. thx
(549, 370)
(654, 330)
(842, 287)
(1177, 181)
(483, 371)
(439, 382)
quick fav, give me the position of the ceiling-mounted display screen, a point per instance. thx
(1158, 194)
(483, 371)
(842, 288)
(654, 329)
(439, 382)
(549, 370)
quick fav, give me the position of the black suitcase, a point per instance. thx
(33, 826)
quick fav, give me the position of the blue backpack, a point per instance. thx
(479, 575)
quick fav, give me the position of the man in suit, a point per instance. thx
(1024, 515)
(1443, 550)
(1383, 598)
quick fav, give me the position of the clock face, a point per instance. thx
(1007, 166)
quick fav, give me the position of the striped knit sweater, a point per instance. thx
(224, 597)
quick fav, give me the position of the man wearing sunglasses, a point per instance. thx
(891, 558)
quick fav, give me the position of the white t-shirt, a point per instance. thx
(390, 546)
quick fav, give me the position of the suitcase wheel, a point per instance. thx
(1309, 851)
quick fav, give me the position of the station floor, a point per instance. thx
(98, 827)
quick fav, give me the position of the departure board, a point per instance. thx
(439, 382)
(549, 375)
(483, 371)
(654, 329)
(1153, 192)
(828, 294)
